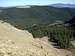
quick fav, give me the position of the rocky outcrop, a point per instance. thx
(15, 42)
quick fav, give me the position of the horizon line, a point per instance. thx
(36, 4)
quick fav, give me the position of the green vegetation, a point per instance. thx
(37, 19)
(61, 34)
(25, 17)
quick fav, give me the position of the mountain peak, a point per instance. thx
(61, 5)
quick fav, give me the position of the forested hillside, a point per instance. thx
(22, 17)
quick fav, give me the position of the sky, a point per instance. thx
(8, 3)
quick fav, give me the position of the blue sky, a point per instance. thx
(6, 3)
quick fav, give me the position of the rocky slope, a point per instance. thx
(15, 42)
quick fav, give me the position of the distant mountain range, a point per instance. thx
(60, 5)
(1, 8)
(22, 16)
(57, 5)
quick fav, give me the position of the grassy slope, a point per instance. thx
(21, 17)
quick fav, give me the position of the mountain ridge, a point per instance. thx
(22, 17)
(58, 5)
(61, 5)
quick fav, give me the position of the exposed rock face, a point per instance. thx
(15, 42)
(26, 6)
